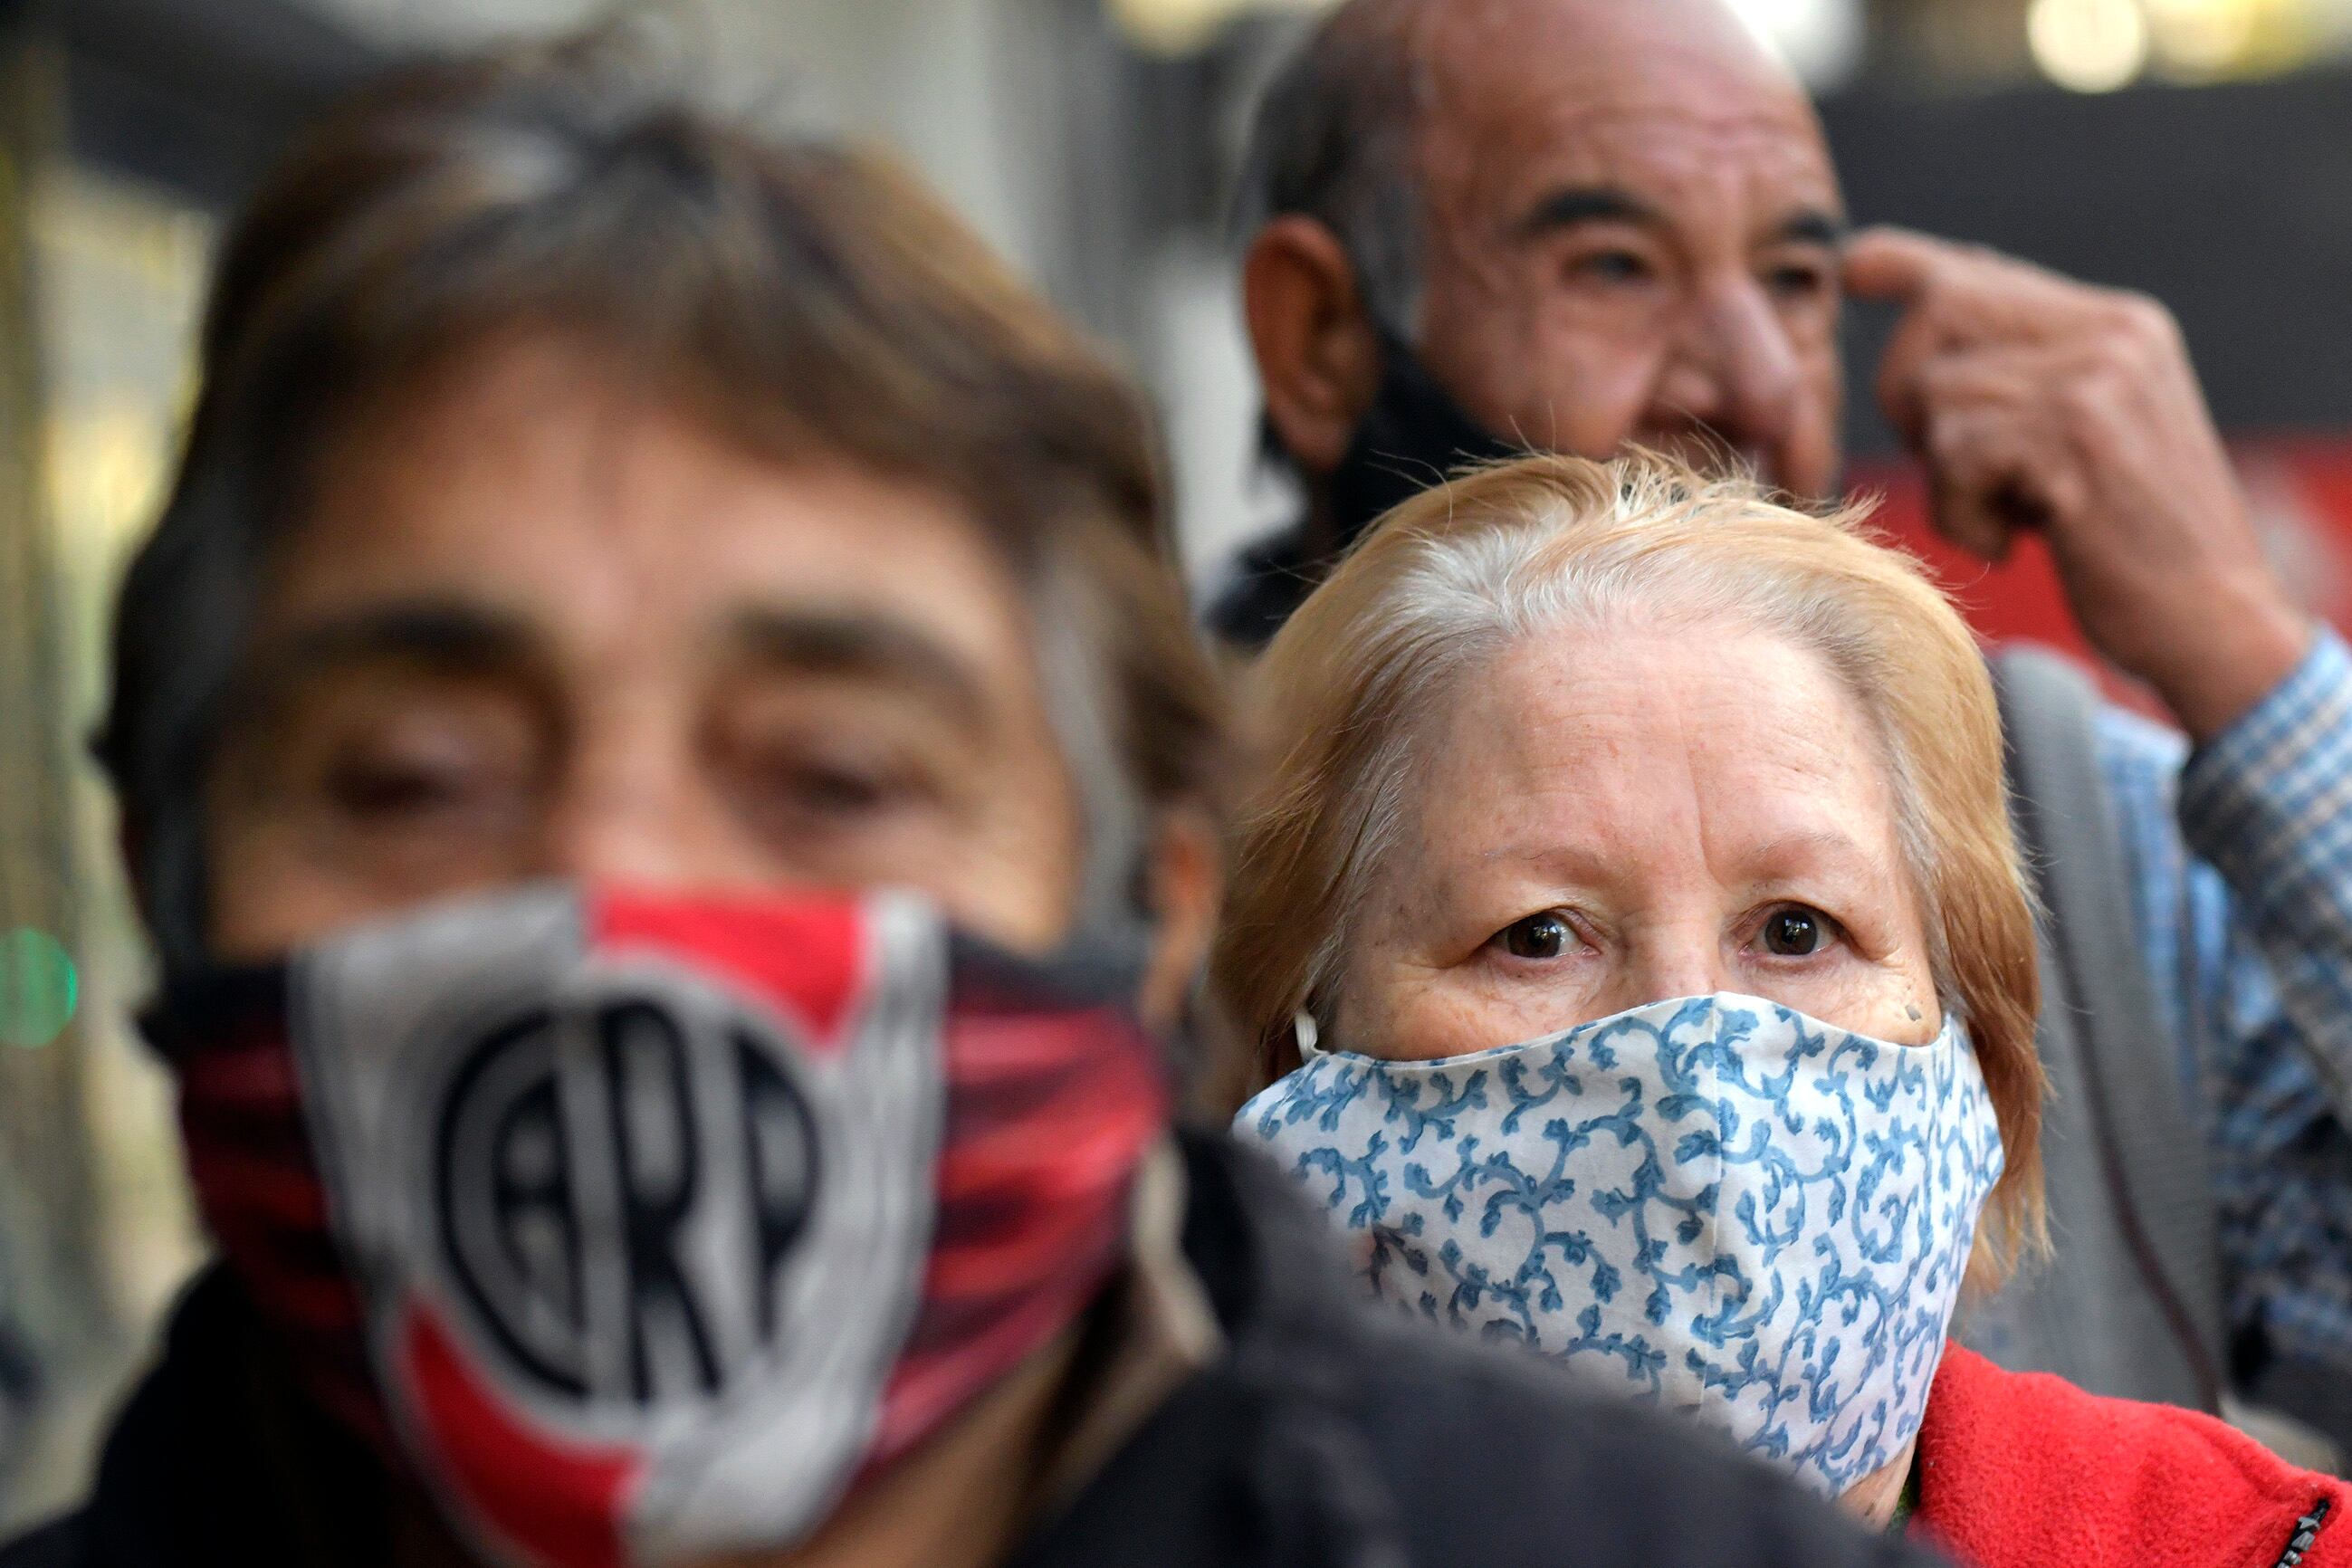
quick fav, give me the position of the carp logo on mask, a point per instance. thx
(698, 1116)
(1748, 1216)
(668, 1223)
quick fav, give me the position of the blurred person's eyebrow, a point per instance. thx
(446, 635)
(442, 638)
(863, 647)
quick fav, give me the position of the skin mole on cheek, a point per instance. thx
(1913, 1009)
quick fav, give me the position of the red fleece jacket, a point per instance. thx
(2022, 1471)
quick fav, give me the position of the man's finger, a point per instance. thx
(1970, 294)
(1964, 476)
(1992, 473)
(1920, 376)
(1893, 264)
(1916, 341)
(2019, 375)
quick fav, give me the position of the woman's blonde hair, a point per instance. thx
(1450, 581)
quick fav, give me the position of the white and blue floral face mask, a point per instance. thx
(1729, 1208)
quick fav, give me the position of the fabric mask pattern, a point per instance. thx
(1721, 1205)
(648, 1228)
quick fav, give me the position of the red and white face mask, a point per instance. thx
(649, 1228)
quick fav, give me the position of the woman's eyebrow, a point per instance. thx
(1805, 849)
(1576, 863)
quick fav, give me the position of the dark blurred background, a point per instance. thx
(2197, 149)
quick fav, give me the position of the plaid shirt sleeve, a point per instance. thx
(2242, 856)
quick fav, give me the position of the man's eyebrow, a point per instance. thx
(862, 647)
(1813, 225)
(442, 636)
(428, 631)
(1575, 204)
(1568, 207)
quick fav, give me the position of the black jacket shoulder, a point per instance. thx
(59, 1544)
(1333, 1434)
(1264, 587)
(1329, 1435)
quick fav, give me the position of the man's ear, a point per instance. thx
(1319, 358)
(1185, 882)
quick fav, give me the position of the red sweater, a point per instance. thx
(2025, 1471)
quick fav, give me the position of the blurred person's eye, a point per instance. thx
(1797, 931)
(822, 793)
(415, 775)
(400, 765)
(1544, 935)
(417, 785)
(831, 773)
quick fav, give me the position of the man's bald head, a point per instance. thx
(1337, 134)
(1597, 220)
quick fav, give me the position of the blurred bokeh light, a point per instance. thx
(38, 988)
(2089, 45)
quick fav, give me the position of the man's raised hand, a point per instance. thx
(2035, 401)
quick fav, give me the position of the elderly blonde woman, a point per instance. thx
(1635, 947)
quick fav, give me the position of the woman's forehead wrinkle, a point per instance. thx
(1566, 752)
(1624, 742)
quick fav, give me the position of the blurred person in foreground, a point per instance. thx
(666, 762)
(1483, 225)
(1634, 877)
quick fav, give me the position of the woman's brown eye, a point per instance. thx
(1793, 932)
(1538, 936)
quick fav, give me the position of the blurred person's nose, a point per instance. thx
(1735, 374)
(635, 811)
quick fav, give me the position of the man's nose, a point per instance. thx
(640, 818)
(1736, 371)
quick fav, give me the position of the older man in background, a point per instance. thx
(1481, 225)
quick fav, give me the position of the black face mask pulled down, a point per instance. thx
(1415, 435)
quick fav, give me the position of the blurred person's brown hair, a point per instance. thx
(807, 300)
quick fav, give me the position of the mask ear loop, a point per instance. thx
(1308, 1034)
